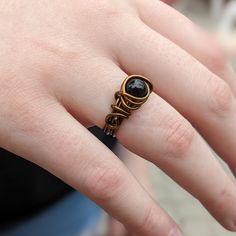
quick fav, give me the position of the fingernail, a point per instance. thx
(175, 232)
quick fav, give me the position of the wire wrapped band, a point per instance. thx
(134, 91)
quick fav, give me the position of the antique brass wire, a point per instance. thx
(124, 104)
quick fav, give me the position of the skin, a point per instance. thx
(140, 169)
(61, 64)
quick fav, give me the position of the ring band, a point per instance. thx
(134, 91)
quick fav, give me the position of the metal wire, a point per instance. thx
(124, 104)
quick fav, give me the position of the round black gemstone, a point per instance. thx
(136, 87)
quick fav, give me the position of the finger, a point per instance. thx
(55, 141)
(160, 134)
(201, 96)
(180, 30)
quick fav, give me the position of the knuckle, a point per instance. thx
(220, 96)
(104, 182)
(179, 136)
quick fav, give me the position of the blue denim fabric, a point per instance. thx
(74, 215)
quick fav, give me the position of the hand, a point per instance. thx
(61, 64)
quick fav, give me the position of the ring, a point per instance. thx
(134, 91)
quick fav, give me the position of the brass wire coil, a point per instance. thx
(125, 103)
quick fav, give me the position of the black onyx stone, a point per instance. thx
(136, 87)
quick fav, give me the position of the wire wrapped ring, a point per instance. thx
(134, 91)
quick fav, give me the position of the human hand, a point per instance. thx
(61, 65)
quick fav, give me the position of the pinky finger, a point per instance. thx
(60, 144)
